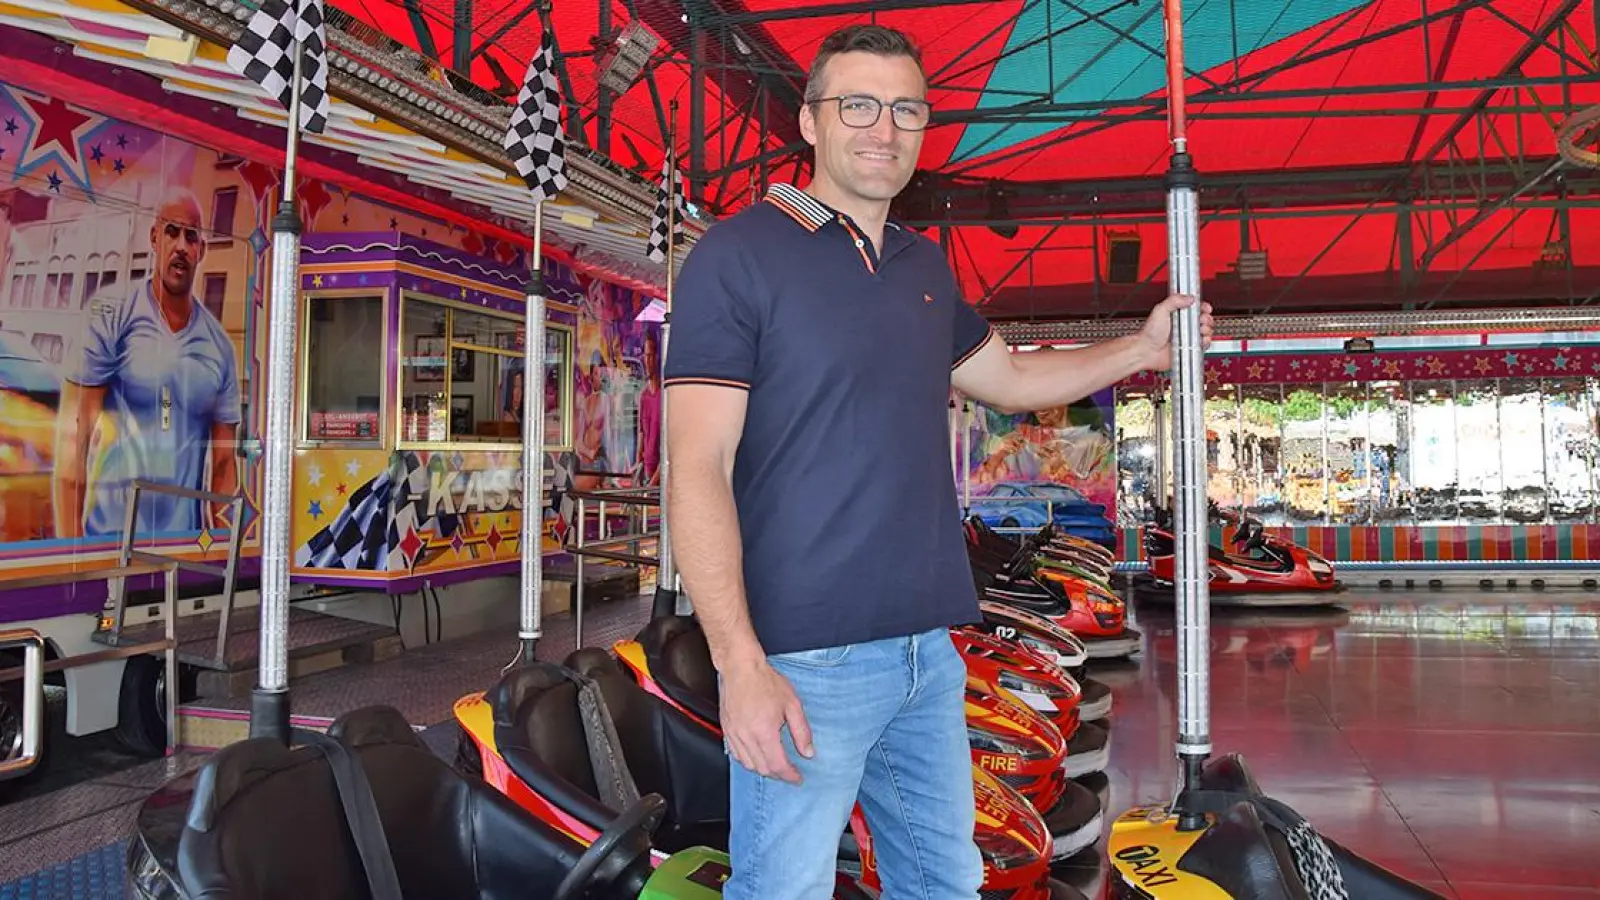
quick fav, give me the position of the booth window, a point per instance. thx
(344, 368)
(462, 376)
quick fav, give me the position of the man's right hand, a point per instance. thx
(756, 703)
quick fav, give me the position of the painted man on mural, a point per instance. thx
(154, 395)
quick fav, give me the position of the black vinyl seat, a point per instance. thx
(667, 753)
(539, 731)
(675, 648)
(265, 821)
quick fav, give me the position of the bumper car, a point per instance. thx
(1252, 568)
(1052, 642)
(528, 734)
(1044, 688)
(1091, 612)
(1240, 843)
(1010, 741)
(369, 811)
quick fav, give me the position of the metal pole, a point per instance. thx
(668, 600)
(966, 455)
(1163, 488)
(1188, 416)
(533, 412)
(269, 703)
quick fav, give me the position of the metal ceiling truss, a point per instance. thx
(1476, 170)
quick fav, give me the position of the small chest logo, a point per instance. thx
(927, 299)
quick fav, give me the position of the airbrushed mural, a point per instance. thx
(1053, 466)
(133, 289)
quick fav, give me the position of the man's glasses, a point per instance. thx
(862, 111)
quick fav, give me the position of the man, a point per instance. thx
(813, 510)
(164, 367)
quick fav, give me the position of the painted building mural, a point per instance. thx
(133, 284)
(1056, 465)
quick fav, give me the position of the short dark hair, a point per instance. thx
(878, 39)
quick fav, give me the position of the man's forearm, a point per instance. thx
(705, 541)
(1058, 377)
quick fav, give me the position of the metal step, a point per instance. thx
(316, 641)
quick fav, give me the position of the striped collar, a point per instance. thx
(805, 209)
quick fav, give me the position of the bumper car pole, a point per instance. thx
(269, 700)
(529, 625)
(668, 600)
(1188, 383)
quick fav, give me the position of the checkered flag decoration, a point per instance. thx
(264, 51)
(656, 249)
(534, 140)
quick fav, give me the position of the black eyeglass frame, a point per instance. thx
(878, 114)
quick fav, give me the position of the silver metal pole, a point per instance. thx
(1163, 487)
(1188, 419)
(966, 454)
(669, 599)
(269, 708)
(532, 542)
(171, 661)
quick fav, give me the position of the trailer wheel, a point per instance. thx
(142, 705)
(11, 737)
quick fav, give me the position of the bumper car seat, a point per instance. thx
(539, 730)
(680, 660)
(368, 812)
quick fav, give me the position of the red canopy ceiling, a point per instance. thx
(1311, 121)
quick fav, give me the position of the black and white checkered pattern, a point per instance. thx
(535, 140)
(264, 54)
(656, 249)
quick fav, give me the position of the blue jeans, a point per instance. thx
(888, 726)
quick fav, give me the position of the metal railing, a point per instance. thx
(638, 502)
(20, 758)
(129, 555)
(34, 668)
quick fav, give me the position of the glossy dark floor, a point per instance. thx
(1453, 738)
(1450, 737)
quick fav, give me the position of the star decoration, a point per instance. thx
(11, 126)
(117, 165)
(393, 222)
(57, 124)
(1510, 359)
(97, 154)
(1435, 365)
(314, 475)
(1295, 364)
(1392, 369)
(315, 510)
(352, 468)
(344, 219)
(55, 182)
(316, 281)
(1483, 365)
(122, 142)
(1350, 369)
(1256, 369)
(1560, 361)
(341, 489)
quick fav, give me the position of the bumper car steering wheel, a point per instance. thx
(622, 844)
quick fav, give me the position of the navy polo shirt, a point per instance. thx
(847, 506)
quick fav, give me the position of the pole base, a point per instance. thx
(269, 714)
(525, 652)
(666, 603)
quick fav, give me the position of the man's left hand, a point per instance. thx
(1155, 338)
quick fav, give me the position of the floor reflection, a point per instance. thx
(1453, 738)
